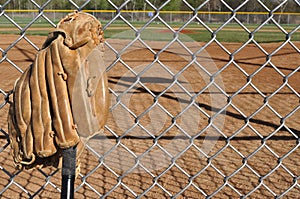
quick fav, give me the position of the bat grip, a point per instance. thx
(68, 173)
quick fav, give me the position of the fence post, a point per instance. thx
(68, 173)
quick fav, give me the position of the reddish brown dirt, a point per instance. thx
(260, 158)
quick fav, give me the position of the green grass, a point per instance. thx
(242, 36)
(30, 32)
(203, 35)
(157, 31)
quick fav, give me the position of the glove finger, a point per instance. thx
(22, 103)
(65, 131)
(41, 118)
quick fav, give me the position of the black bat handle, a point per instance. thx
(68, 173)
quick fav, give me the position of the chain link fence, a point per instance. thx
(190, 116)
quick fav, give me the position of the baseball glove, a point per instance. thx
(62, 96)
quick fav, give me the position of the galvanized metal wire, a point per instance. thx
(115, 154)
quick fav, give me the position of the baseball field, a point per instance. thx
(193, 119)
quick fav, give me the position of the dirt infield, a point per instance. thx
(247, 149)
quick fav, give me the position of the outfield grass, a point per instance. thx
(228, 34)
(194, 31)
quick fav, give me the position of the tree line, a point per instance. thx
(212, 5)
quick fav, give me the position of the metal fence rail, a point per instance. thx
(188, 118)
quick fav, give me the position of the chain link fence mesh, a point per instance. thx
(189, 117)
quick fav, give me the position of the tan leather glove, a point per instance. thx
(62, 96)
